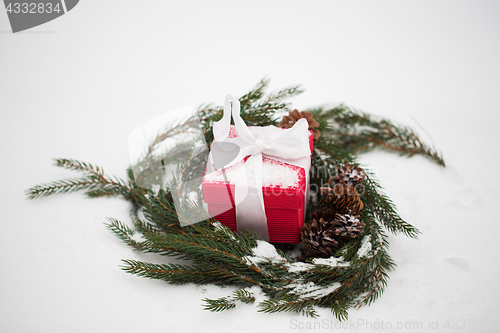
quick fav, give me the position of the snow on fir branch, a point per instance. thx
(365, 248)
(310, 290)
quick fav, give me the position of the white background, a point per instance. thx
(77, 86)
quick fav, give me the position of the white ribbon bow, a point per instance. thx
(287, 145)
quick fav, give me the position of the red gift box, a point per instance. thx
(284, 187)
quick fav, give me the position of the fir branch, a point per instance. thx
(254, 94)
(80, 166)
(218, 305)
(243, 296)
(226, 303)
(160, 210)
(381, 208)
(377, 266)
(225, 255)
(357, 132)
(121, 231)
(200, 247)
(62, 186)
(285, 93)
(287, 303)
(172, 273)
(340, 309)
(94, 181)
(124, 233)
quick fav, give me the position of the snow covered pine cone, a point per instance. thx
(349, 175)
(347, 226)
(333, 226)
(318, 240)
(323, 238)
(295, 115)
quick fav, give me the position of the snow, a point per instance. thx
(264, 252)
(193, 196)
(311, 290)
(218, 226)
(274, 174)
(332, 262)
(353, 219)
(77, 86)
(299, 267)
(365, 247)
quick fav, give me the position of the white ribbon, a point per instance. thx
(287, 145)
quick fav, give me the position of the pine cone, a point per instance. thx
(323, 238)
(318, 240)
(295, 115)
(346, 226)
(342, 199)
(336, 224)
(348, 203)
(326, 214)
(351, 175)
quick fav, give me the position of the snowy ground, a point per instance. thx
(77, 86)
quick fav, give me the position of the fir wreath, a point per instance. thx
(355, 275)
